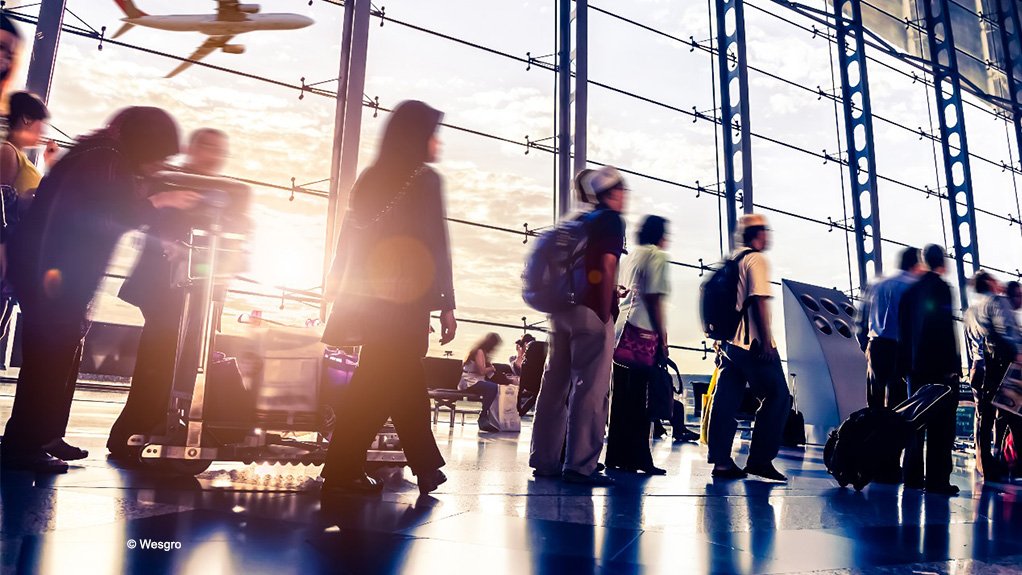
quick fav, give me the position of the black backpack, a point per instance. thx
(718, 302)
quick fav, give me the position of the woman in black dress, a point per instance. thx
(392, 268)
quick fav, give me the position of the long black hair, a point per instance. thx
(487, 344)
(24, 108)
(404, 148)
(652, 231)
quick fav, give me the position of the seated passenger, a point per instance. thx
(477, 375)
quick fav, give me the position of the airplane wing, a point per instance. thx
(229, 10)
(212, 44)
(127, 26)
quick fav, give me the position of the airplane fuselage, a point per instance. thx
(209, 24)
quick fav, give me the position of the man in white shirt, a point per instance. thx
(750, 357)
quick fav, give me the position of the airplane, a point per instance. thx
(231, 18)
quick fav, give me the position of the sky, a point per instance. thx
(275, 136)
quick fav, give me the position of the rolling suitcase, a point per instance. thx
(857, 450)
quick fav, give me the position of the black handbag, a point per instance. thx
(661, 389)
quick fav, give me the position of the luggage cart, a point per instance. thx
(190, 441)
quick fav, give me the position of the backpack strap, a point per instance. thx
(745, 304)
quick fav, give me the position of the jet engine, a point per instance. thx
(249, 8)
(234, 49)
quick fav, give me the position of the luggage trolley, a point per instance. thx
(288, 393)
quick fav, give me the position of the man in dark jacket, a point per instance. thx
(93, 195)
(930, 349)
(151, 287)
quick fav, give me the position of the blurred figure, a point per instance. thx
(92, 196)
(647, 284)
(750, 358)
(19, 177)
(1013, 291)
(930, 348)
(10, 46)
(392, 268)
(572, 408)
(992, 333)
(518, 358)
(150, 286)
(477, 376)
(878, 335)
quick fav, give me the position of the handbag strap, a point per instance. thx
(395, 200)
(668, 364)
(794, 391)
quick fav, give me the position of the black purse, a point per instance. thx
(661, 389)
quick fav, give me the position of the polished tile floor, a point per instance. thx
(492, 518)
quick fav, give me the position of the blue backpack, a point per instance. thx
(555, 272)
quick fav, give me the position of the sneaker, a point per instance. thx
(63, 450)
(733, 472)
(358, 485)
(429, 481)
(595, 480)
(767, 471)
(685, 436)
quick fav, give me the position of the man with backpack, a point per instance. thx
(748, 355)
(572, 408)
(930, 347)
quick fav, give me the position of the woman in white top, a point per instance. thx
(476, 373)
(647, 285)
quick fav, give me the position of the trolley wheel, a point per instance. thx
(178, 466)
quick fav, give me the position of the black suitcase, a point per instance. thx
(872, 437)
(795, 427)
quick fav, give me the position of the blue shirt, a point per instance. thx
(882, 305)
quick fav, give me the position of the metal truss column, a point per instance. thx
(564, 107)
(734, 109)
(581, 94)
(44, 49)
(957, 173)
(1011, 48)
(347, 119)
(859, 137)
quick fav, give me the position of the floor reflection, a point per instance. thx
(493, 517)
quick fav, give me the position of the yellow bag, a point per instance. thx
(707, 399)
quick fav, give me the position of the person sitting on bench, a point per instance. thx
(477, 375)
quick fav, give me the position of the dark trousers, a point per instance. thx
(885, 385)
(677, 421)
(986, 378)
(938, 437)
(629, 434)
(388, 383)
(146, 407)
(739, 367)
(51, 353)
(488, 390)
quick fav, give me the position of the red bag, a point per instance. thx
(637, 348)
(1010, 453)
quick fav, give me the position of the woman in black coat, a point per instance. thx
(58, 256)
(392, 268)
